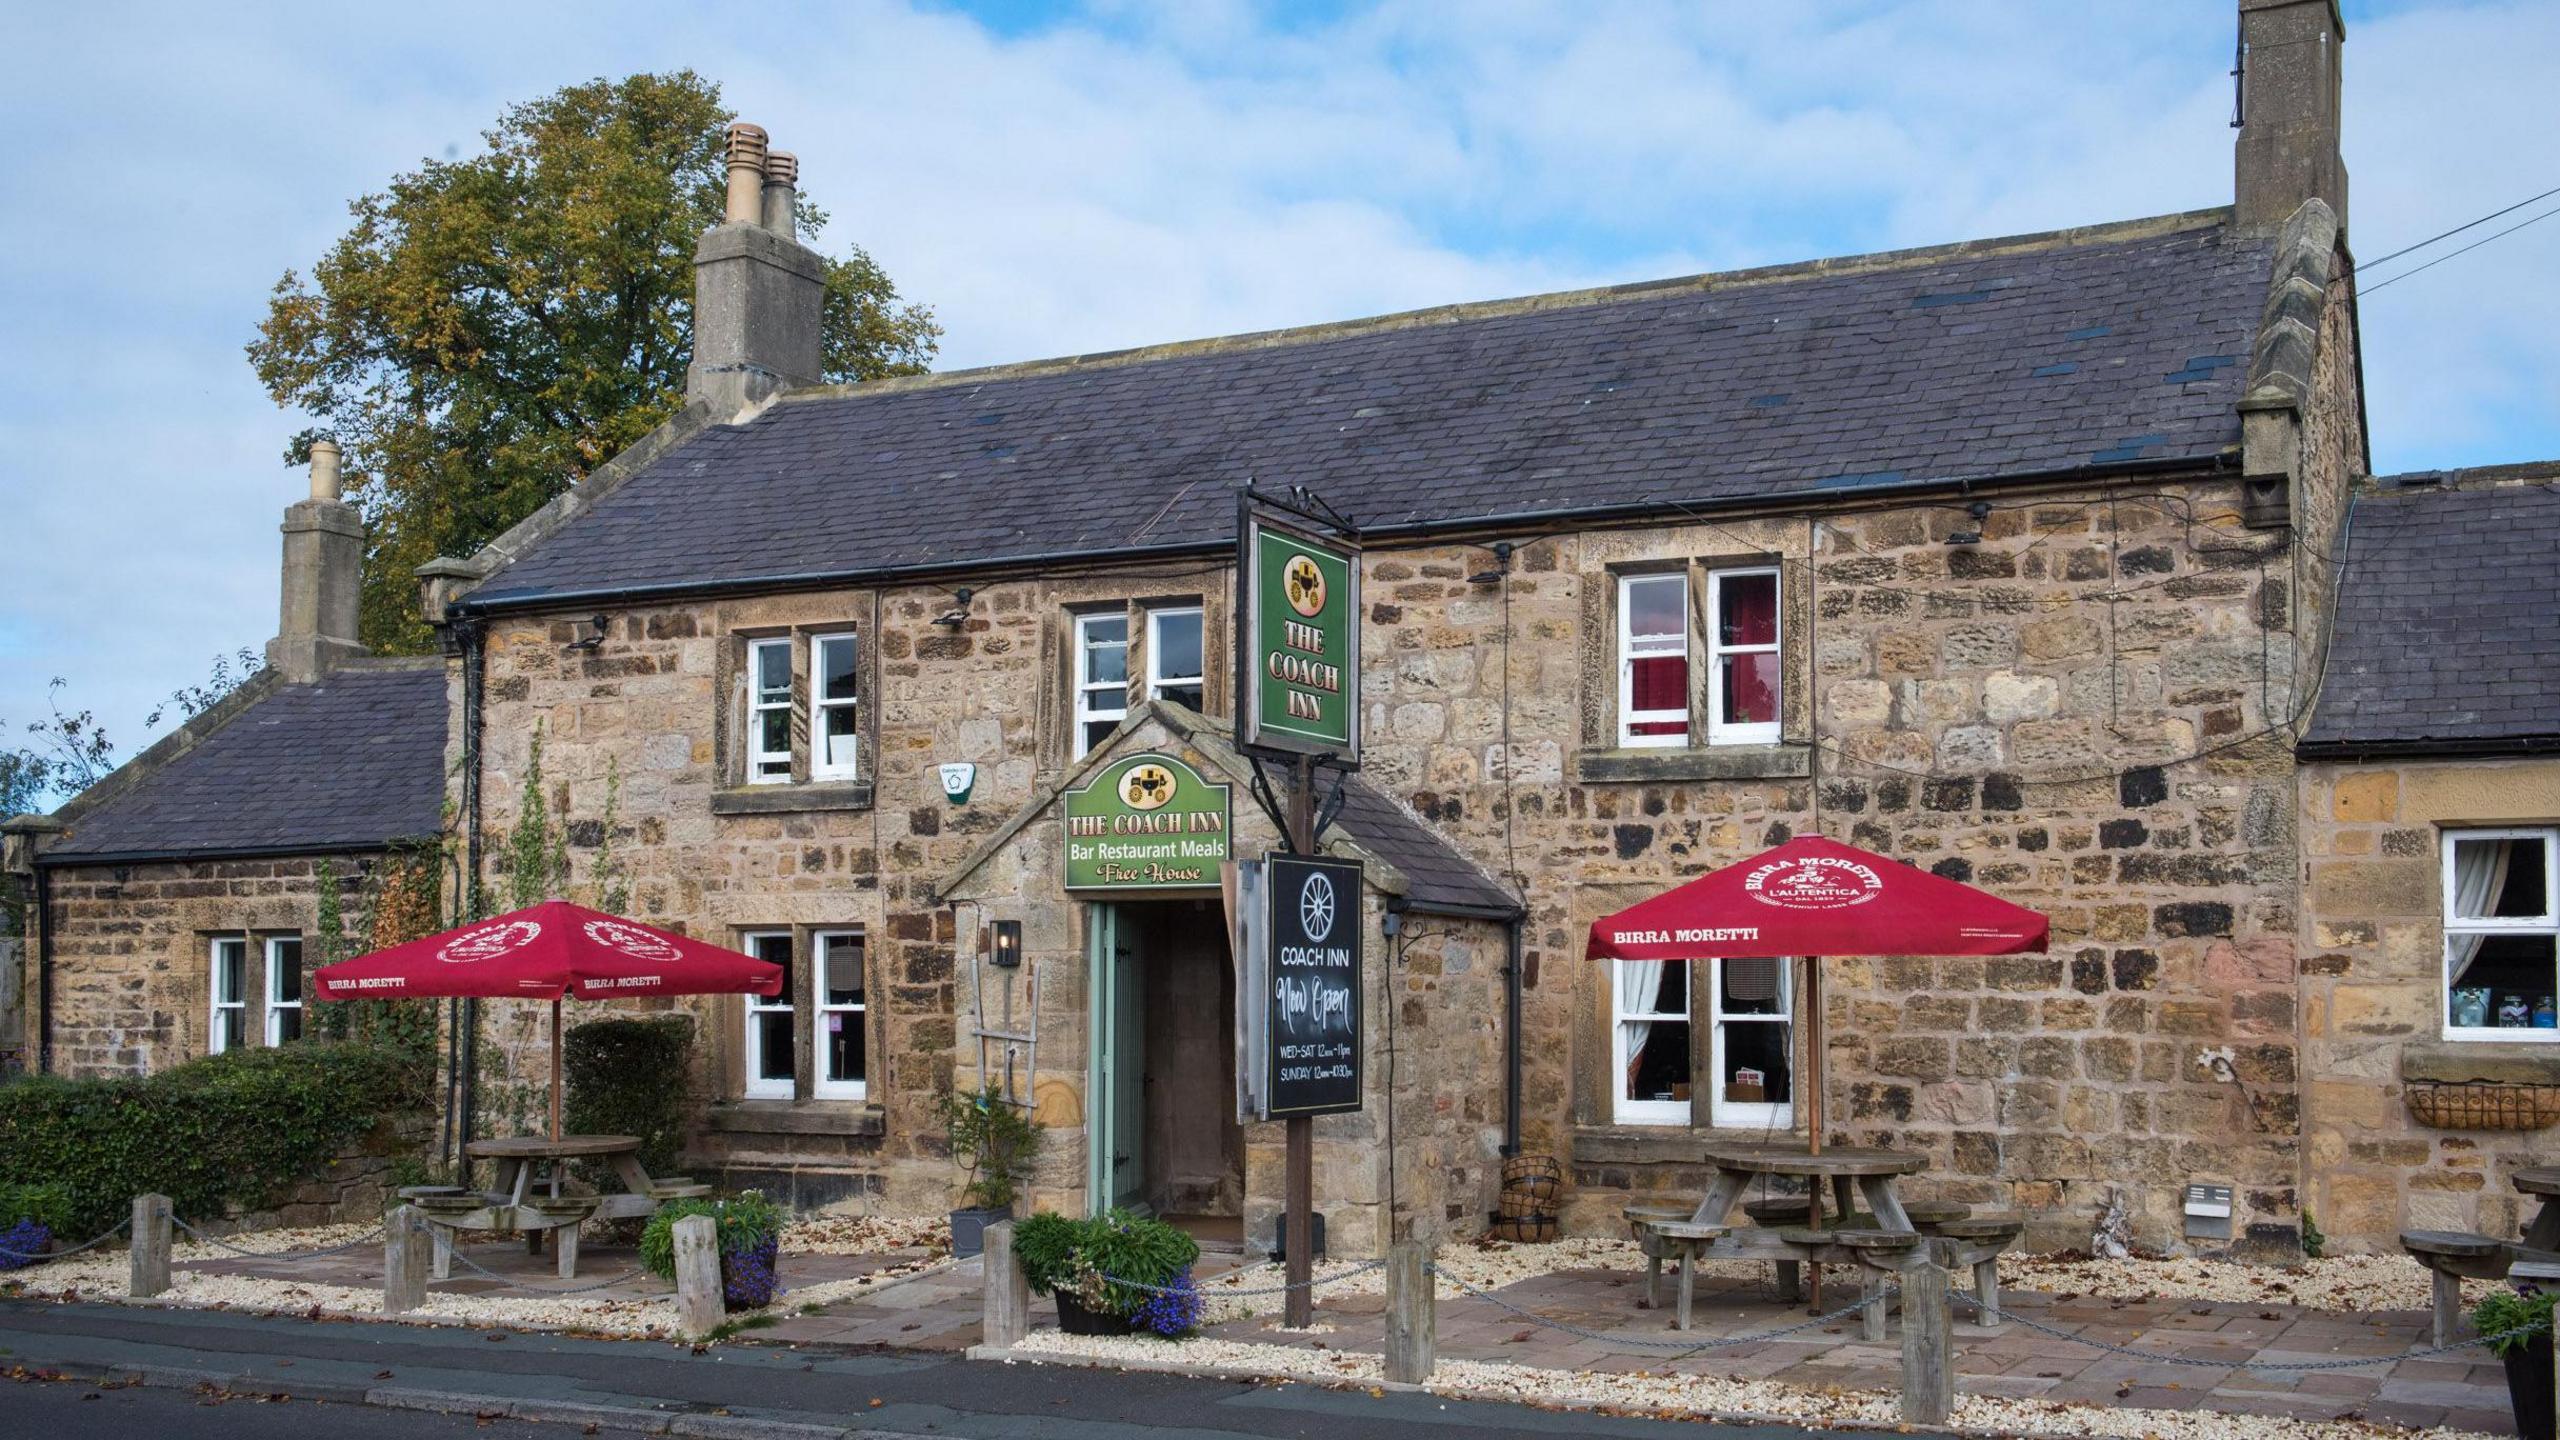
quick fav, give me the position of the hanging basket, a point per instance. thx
(2482, 1105)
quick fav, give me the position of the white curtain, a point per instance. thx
(2479, 873)
(1639, 989)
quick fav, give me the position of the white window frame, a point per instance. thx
(1744, 1114)
(857, 1015)
(757, 1006)
(214, 1043)
(276, 1003)
(1086, 692)
(2546, 924)
(1720, 731)
(1624, 1109)
(1654, 646)
(1157, 681)
(758, 707)
(822, 766)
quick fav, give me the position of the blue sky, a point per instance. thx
(1067, 178)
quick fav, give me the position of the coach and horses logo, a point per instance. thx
(633, 941)
(1146, 786)
(488, 942)
(1816, 882)
(1303, 582)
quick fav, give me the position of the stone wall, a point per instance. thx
(355, 1189)
(2373, 999)
(132, 959)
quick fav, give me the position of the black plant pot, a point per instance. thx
(2528, 1387)
(1074, 1319)
(969, 1228)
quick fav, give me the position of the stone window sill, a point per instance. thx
(791, 799)
(1652, 1144)
(2498, 1062)
(797, 1117)
(1696, 762)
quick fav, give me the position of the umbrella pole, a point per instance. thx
(555, 1067)
(1813, 1107)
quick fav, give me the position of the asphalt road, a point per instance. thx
(333, 1369)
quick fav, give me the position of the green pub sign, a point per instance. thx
(1149, 822)
(1301, 656)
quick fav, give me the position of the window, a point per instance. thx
(769, 1021)
(230, 1022)
(1102, 678)
(768, 712)
(841, 1014)
(1742, 657)
(834, 708)
(1751, 1014)
(1174, 665)
(1653, 660)
(1649, 1015)
(284, 989)
(2501, 936)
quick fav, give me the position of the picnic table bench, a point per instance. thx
(513, 1203)
(2453, 1256)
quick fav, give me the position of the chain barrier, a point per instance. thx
(512, 1282)
(2206, 1363)
(121, 1226)
(1684, 1347)
(1205, 1292)
(290, 1257)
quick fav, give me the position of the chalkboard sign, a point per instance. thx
(1312, 1020)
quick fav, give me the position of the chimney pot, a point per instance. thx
(781, 190)
(324, 470)
(323, 578)
(746, 174)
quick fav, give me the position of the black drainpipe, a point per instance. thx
(467, 1041)
(1511, 1041)
(44, 971)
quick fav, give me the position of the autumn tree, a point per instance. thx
(494, 328)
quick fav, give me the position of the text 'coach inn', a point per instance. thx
(2050, 564)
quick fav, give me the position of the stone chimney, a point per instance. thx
(2289, 78)
(757, 293)
(323, 577)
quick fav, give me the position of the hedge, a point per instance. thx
(626, 1076)
(235, 1129)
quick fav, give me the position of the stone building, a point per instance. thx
(2430, 792)
(174, 900)
(2016, 560)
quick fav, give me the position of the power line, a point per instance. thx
(2458, 229)
(2465, 250)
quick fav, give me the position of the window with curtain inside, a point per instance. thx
(1742, 657)
(770, 1063)
(1751, 1016)
(841, 1014)
(1649, 1020)
(229, 1027)
(284, 988)
(1748, 1013)
(2501, 934)
(1653, 660)
(835, 709)
(1101, 678)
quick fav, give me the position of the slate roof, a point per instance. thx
(2448, 634)
(2083, 350)
(357, 759)
(1441, 876)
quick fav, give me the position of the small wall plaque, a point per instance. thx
(958, 777)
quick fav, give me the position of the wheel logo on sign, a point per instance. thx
(1315, 907)
(489, 942)
(633, 941)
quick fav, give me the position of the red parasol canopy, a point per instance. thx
(1813, 896)
(546, 951)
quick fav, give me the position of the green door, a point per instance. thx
(1117, 1094)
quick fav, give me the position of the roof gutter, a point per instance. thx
(1045, 562)
(2486, 749)
(189, 857)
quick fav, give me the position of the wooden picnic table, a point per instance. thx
(519, 1155)
(513, 1204)
(2542, 1232)
(1869, 1170)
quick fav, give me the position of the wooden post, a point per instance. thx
(1007, 1316)
(698, 1304)
(1928, 1369)
(1413, 1314)
(151, 1242)
(1298, 1190)
(2448, 1305)
(1986, 1292)
(406, 1248)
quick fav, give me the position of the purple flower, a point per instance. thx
(22, 1243)
(1174, 1311)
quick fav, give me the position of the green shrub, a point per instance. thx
(2506, 1311)
(1089, 1256)
(740, 1223)
(232, 1129)
(47, 1205)
(1045, 1244)
(626, 1076)
(993, 1141)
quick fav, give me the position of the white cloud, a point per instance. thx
(1149, 170)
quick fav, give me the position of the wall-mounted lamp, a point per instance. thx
(1501, 566)
(958, 614)
(600, 623)
(1980, 510)
(1008, 951)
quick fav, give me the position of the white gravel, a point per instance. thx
(1696, 1396)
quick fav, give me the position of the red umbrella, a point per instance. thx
(1813, 896)
(545, 952)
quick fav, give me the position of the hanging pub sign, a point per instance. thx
(1147, 822)
(1311, 1014)
(1299, 641)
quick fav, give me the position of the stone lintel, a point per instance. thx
(790, 799)
(1701, 762)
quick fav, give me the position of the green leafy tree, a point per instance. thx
(494, 328)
